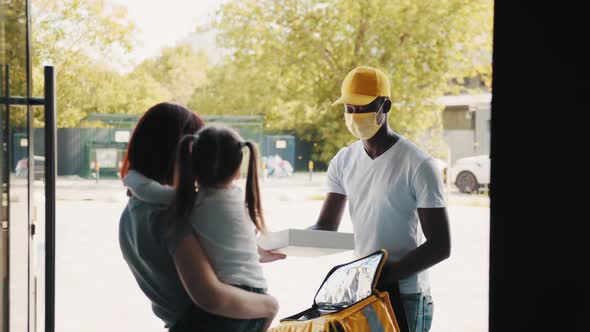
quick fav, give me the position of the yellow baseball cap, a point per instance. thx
(362, 85)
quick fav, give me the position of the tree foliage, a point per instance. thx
(283, 59)
(287, 59)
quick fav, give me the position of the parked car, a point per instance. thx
(470, 174)
(22, 167)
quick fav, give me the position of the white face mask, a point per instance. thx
(363, 125)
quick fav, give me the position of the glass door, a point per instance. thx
(27, 180)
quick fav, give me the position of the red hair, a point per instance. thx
(151, 149)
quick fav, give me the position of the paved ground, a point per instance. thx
(96, 292)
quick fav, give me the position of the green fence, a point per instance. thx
(81, 149)
(104, 157)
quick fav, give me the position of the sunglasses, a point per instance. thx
(363, 109)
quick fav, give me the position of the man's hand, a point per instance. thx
(269, 256)
(436, 248)
(389, 275)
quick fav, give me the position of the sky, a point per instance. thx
(162, 23)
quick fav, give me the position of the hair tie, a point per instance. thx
(242, 144)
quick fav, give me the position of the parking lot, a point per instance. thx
(96, 292)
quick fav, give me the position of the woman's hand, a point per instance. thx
(271, 318)
(266, 256)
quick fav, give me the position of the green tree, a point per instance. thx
(179, 70)
(106, 91)
(83, 40)
(287, 59)
(12, 44)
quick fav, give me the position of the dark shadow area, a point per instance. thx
(537, 246)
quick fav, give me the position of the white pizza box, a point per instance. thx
(306, 243)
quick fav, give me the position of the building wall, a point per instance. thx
(483, 117)
(467, 130)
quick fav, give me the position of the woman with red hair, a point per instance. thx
(174, 272)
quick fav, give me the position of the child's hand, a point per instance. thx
(266, 256)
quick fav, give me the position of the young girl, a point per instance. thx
(225, 220)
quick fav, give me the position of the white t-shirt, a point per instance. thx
(383, 197)
(224, 228)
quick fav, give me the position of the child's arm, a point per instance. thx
(148, 190)
(209, 293)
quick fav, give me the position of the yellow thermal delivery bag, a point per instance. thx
(347, 301)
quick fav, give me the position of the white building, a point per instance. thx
(467, 124)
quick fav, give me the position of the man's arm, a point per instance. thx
(436, 248)
(331, 213)
(329, 220)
